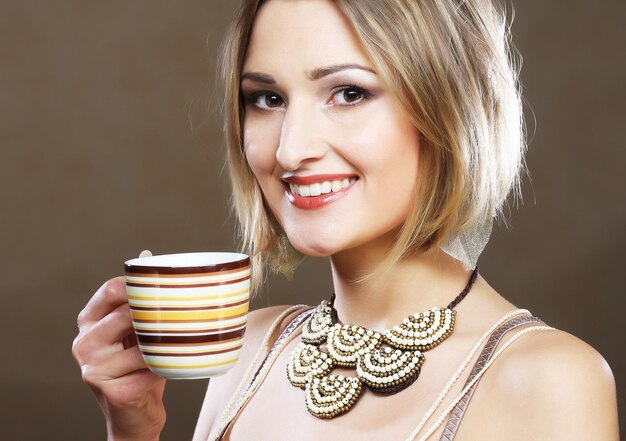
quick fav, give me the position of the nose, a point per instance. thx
(301, 137)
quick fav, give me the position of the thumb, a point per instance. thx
(145, 253)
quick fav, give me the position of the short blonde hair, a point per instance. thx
(450, 65)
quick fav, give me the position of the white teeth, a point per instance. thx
(316, 189)
(321, 187)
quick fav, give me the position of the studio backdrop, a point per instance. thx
(111, 143)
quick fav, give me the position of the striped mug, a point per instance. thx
(189, 311)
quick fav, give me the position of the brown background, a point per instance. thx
(107, 149)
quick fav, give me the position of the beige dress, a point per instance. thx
(291, 328)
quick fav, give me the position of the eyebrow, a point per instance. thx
(313, 75)
(258, 77)
(321, 72)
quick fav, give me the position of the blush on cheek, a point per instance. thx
(255, 158)
(262, 170)
(259, 148)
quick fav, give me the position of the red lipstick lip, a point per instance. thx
(312, 179)
(312, 202)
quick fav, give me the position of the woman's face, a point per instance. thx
(334, 154)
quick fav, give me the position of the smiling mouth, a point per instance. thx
(320, 188)
(308, 194)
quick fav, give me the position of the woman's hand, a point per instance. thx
(129, 394)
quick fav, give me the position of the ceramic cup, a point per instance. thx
(189, 311)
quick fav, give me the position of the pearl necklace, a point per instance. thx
(383, 370)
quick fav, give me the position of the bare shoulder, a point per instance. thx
(555, 386)
(259, 323)
(221, 388)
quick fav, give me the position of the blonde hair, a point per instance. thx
(450, 65)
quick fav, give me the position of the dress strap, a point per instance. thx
(456, 415)
(251, 380)
(480, 373)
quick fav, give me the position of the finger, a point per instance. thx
(124, 362)
(130, 389)
(145, 253)
(108, 297)
(104, 338)
(113, 327)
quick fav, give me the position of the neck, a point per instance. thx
(419, 282)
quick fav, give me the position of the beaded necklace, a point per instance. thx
(382, 369)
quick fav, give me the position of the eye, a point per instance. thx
(350, 96)
(266, 100)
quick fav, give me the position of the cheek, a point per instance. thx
(259, 149)
(402, 164)
(387, 150)
(400, 151)
(390, 162)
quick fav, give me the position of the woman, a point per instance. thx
(385, 135)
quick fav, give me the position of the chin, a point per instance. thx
(316, 240)
(315, 250)
(316, 247)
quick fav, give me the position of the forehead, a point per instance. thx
(301, 34)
